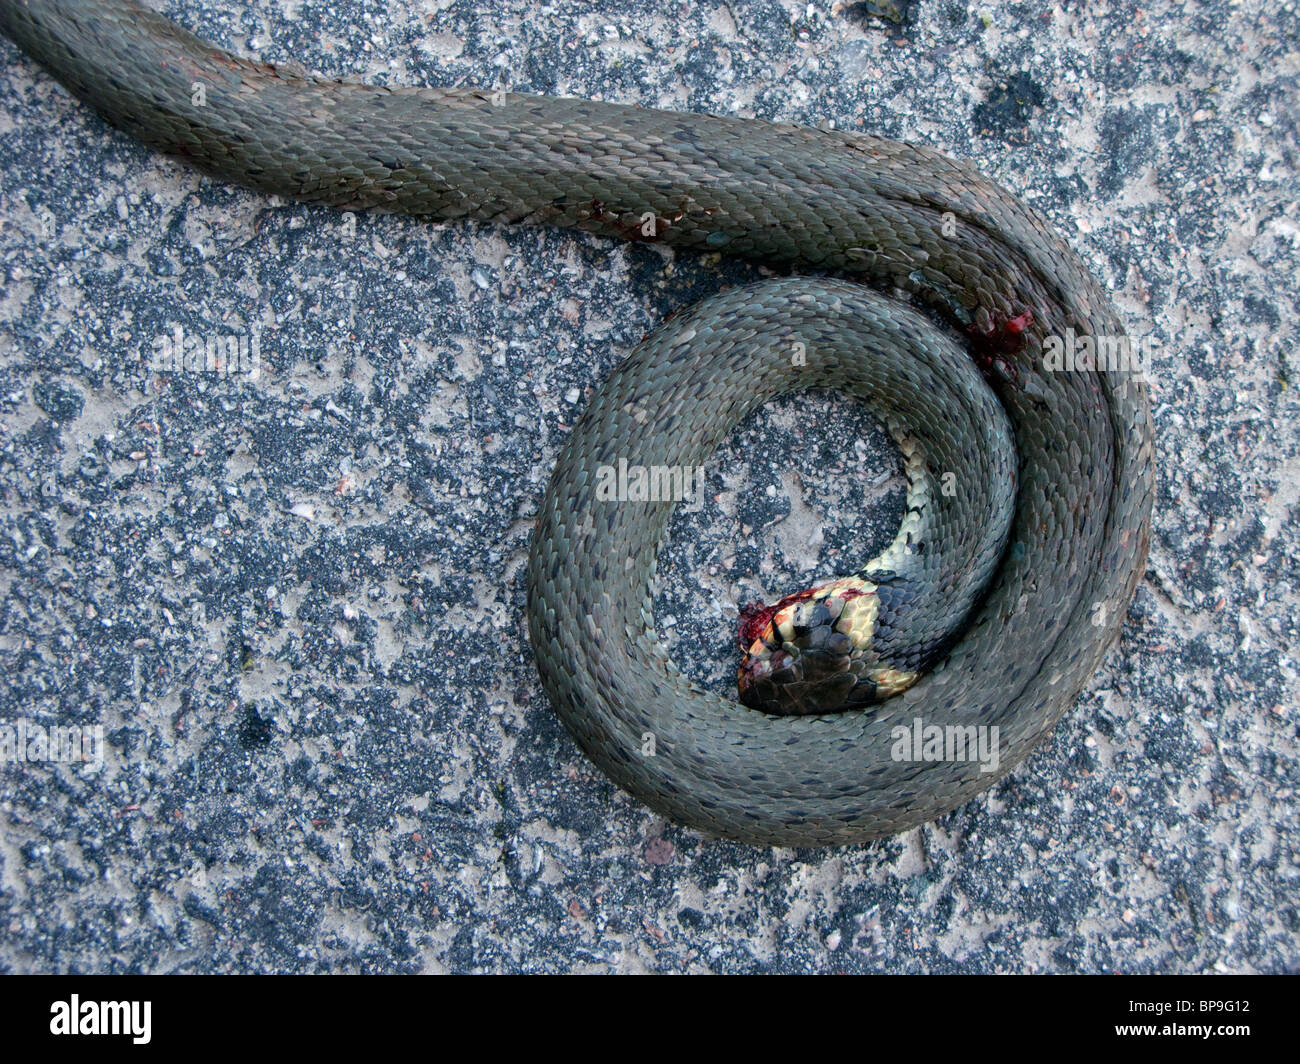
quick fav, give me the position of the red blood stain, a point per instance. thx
(1004, 336)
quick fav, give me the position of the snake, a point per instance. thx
(902, 277)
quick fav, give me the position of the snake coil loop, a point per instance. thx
(901, 217)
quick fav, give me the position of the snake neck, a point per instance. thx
(864, 638)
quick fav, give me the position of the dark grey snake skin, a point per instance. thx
(904, 218)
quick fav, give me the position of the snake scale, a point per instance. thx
(956, 268)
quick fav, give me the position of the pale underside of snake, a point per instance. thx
(1002, 592)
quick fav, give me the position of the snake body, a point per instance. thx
(930, 230)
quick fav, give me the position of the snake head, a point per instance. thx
(812, 652)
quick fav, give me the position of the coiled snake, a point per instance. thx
(1060, 531)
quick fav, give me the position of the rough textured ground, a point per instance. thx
(295, 603)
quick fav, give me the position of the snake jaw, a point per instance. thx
(813, 652)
